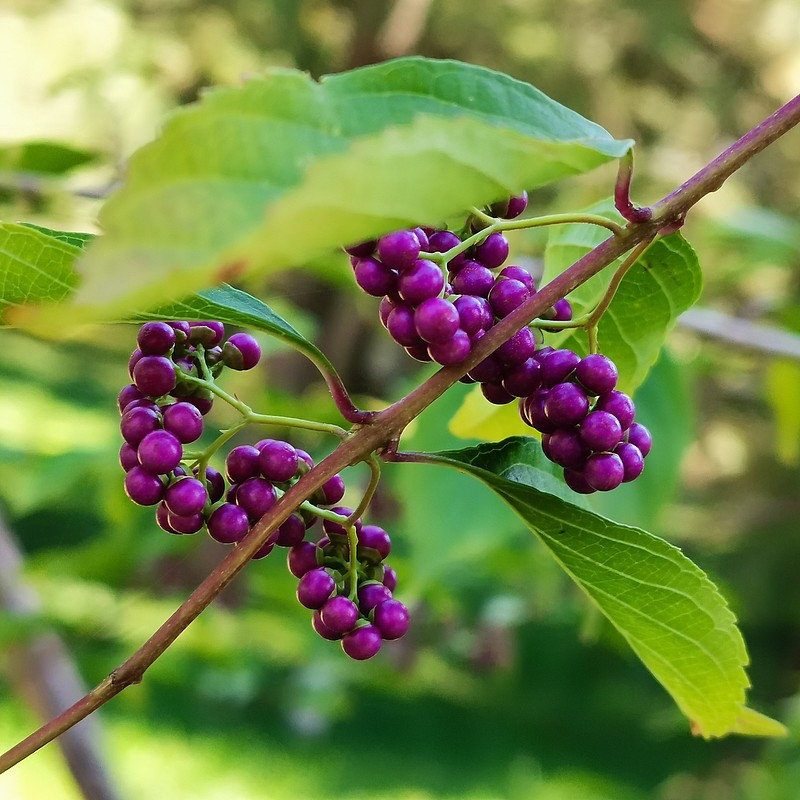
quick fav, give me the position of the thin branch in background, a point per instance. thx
(42, 672)
(741, 332)
(403, 27)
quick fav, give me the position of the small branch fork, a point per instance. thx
(381, 430)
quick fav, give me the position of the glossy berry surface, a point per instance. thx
(186, 497)
(597, 373)
(228, 524)
(314, 588)
(339, 614)
(241, 352)
(362, 643)
(391, 619)
(278, 461)
(159, 452)
(184, 421)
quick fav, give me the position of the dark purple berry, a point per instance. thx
(519, 274)
(159, 452)
(401, 327)
(228, 523)
(419, 352)
(215, 484)
(134, 359)
(241, 352)
(506, 295)
(516, 205)
(154, 376)
(302, 558)
(387, 305)
(256, 496)
(374, 538)
(184, 421)
(302, 455)
(265, 548)
(333, 490)
(389, 578)
(370, 594)
(577, 482)
(421, 281)
(188, 524)
(374, 277)
(490, 370)
(136, 423)
(127, 457)
(520, 347)
(278, 461)
(399, 250)
(604, 471)
(523, 379)
(640, 436)
(601, 431)
(566, 448)
(142, 487)
(322, 629)
(496, 394)
(315, 588)
(597, 373)
(339, 614)
(362, 643)
(453, 351)
(242, 463)
(291, 532)
(422, 238)
(557, 366)
(566, 405)
(202, 403)
(127, 395)
(362, 249)
(632, 461)
(441, 242)
(156, 338)
(162, 519)
(474, 313)
(208, 333)
(561, 310)
(436, 320)
(493, 251)
(186, 497)
(473, 278)
(620, 405)
(391, 619)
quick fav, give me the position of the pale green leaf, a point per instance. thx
(665, 607)
(282, 169)
(782, 384)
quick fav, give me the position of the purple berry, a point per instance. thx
(159, 452)
(640, 436)
(156, 338)
(436, 320)
(215, 484)
(620, 405)
(474, 313)
(256, 496)
(188, 524)
(302, 558)
(162, 519)
(516, 205)
(401, 327)
(265, 548)
(473, 278)
(389, 578)
(421, 281)
(604, 471)
(632, 461)
(566, 405)
(419, 352)
(362, 249)
(453, 351)
(566, 448)
(134, 359)
(597, 373)
(241, 352)
(387, 305)
(422, 238)
(186, 497)
(374, 538)
(184, 421)
(208, 333)
(136, 423)
(557, 366)
(291, 532)
(339, 614)
(561, 310)
(506, 295)
(490, 370)
(520, 347)
(391, 619)
(370, 594)
(127, 457)
(374, 277)
(278, 461)
(154, 376)
(496, 394)
(523, 379)
(302, 455)
(493, 251)
(333, 490)
(228, 523)
(142, 487)
(315, 588)
(519, 274)
(441, 242)
(322, 629)
(399, 250)
(362, 643)
(202, 404)
(601, 431)
(330, 526)
(242, 463)
(577, 482)
(127, 395)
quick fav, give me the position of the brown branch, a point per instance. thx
(386, 426)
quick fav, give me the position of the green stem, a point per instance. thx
(323, 513)
(352, 569)
(374, 478)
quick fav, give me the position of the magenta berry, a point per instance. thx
(154, 376)
(566, 405)
(186, 497)
(640, 436)
(436, 320)
(159, 452)
(604, 471)
(302, 558)
(314, 588)
(228, 524)
(339, 614)
(391, 619)
(144, 488)
(374, 277)
(242, 462)
(362, 643)
(241, 352)
(399, 250)
(278, 461)
(597, 373)
(184, 421)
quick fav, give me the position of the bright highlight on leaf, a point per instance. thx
(665, 607)
(275, 172)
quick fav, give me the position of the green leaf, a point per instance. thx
(76, 238)
(782, 385)
(282, 169)
(666, 608)
(235, 307)
(43, 158)
(664, 282)
(35, 267)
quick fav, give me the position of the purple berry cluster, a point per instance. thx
(439, 318)
(587, 426)
(323, 569)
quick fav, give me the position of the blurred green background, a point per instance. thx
(508, 686)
